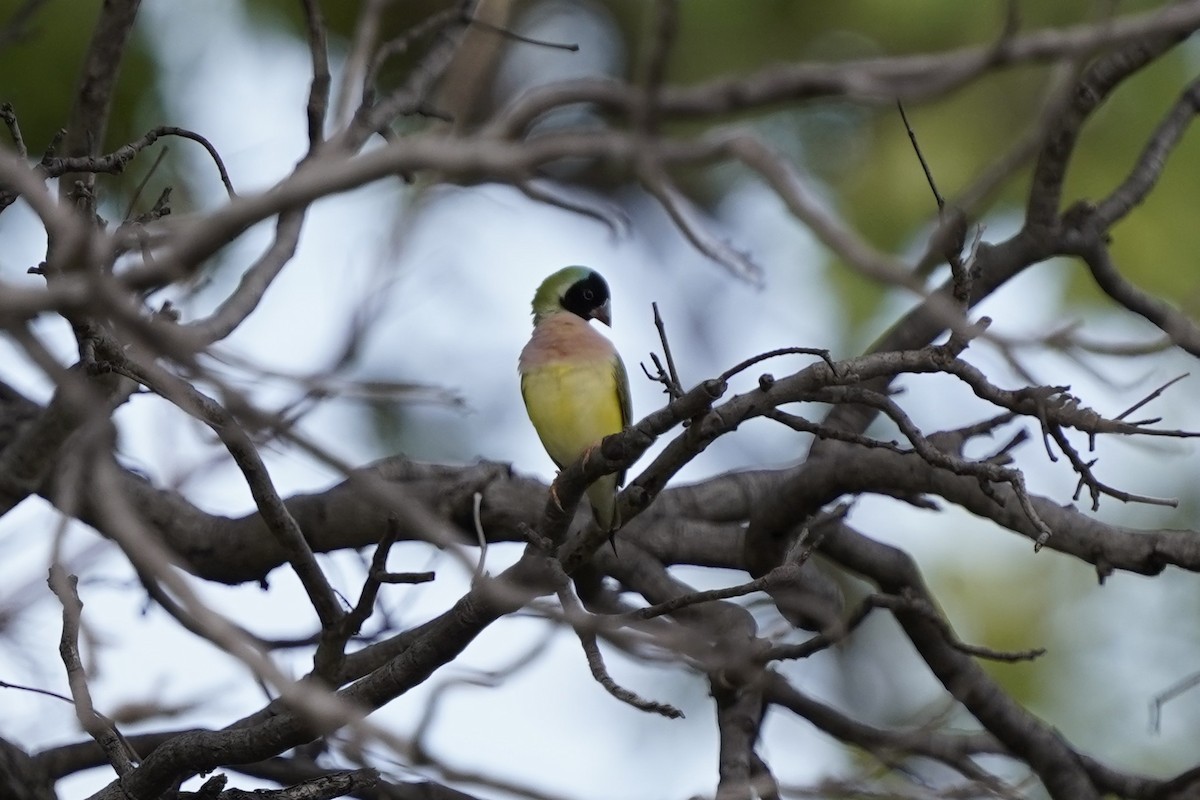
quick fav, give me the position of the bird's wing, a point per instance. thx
(626, 402)
(525, 390)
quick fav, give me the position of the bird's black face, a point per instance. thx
(588, 298)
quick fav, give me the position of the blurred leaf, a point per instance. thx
(42, 66)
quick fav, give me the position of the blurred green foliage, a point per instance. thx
(879, 185)
(40, 63)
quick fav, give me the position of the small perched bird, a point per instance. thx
(574, 384)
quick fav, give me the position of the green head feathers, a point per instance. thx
(578, 290)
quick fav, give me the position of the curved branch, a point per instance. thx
(882, 80)
(1089, 246)
(1021, 733)
(1152, 161)
(1095, 85)
(115, 162)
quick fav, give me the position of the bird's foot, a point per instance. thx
(554, 496)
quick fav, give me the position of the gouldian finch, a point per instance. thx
(574, 384)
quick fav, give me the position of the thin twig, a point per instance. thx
(675, 387)
(116, 161)
(912, 137)
(1156, 393)
(137, 192)
(9, 116)
(406, 577)
(686, 600)
(99, 727)
(331, 646)
(782, 351)
(920, 606)
(400, 45)
(896, 603)
(691, 223)
(476, 22)
(591, 649)
(611, 216)
(822, 641)
(1167, 695)
(35, 690)
(803, 425)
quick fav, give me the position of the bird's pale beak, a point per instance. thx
(604, 313)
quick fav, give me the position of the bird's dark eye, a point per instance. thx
(585, 296)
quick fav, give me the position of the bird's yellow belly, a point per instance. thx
(571, 407)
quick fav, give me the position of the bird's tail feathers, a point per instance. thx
(602, 495)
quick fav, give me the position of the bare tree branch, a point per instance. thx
(783, 529)
(100, 727)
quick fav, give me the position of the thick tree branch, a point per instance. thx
(882, 80)
(1153, 160)
(88, 123)
(1039, 745)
